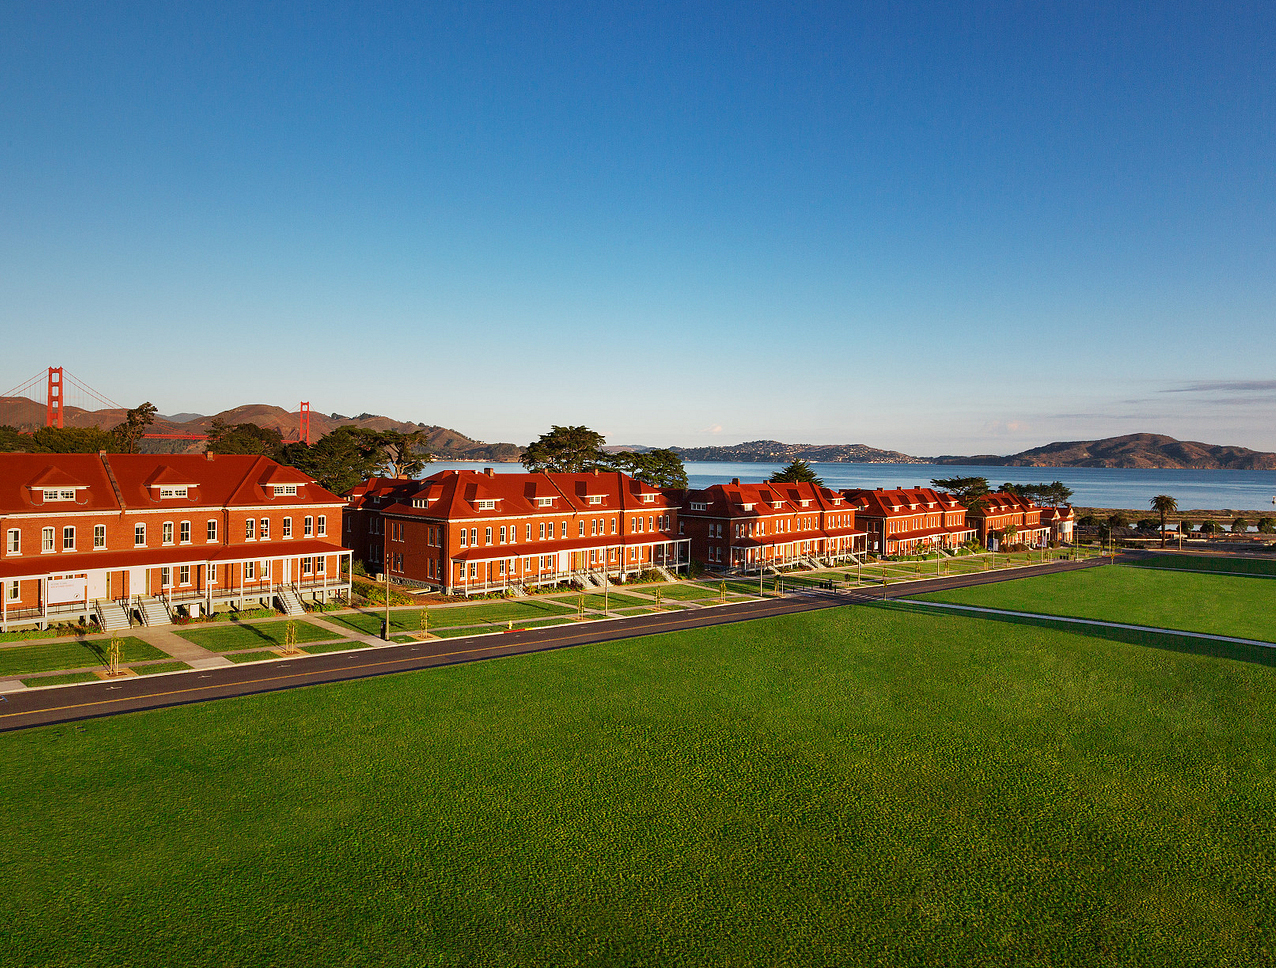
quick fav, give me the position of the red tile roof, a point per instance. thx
(220, 480)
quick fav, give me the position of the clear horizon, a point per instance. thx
(962, 230)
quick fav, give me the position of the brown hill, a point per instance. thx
(1132, 450)
(443, 442)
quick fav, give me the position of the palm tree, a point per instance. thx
(1163, 504)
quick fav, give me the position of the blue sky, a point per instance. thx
(939, 228)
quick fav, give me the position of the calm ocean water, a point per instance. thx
(1105, 487)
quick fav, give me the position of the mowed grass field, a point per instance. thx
(1227, 564)
(865, 785)
(1217, 604)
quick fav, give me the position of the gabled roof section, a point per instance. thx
(165, 475)
(54, 476)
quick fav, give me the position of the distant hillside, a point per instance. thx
(1132, 450)
(441, 441)
(773, 451)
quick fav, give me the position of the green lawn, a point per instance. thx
(1228, 564)
(519, 612)
(689, 593)
(228, 638)
(19, 660)
(333, 647)
(62, 680)
(159, 667)
(242, 657)
(859, 786)
(1188, 602)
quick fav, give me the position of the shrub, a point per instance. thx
(1240, 524)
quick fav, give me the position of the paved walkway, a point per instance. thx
(166, 640)
(1093, 621)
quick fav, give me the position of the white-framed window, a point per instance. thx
(307, 526)
(166, 492)
(184, 532)
(250, 530)
(464, 535)
(250, 570)
(580, 529)
(542, 530)
(139, 535)
(46, 540)
(474, 536)
(68, 539)
(545, 502)
(487, 505)
(595, 499)
(12, 591)
(263, 529)
(287, 531)
(265, 570)
(320, 563)
(168, 533)
(211, 531)
(212, 574)
(184, 575)
(99, 536)
(529, 532)
(306, 564)
(166, 577)
(285, 490)
(473, 569)
(487, 536)
(322, 528)
(502, 534)
(56, 494)
(13, 542)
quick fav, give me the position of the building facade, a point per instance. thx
(1061, 521)
(466, 532)
(1000, 511)
(744, 526)
(150, 535)
(905, 521)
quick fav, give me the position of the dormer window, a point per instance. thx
(285, 490)
(595, 499)
(748, 507)
(805, 504)
(420, 504)
(545, 502)
(487, 505)
(699, 507)
(648, 498)
(58, 494)
(168, 492)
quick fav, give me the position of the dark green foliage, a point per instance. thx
(128, 433)
(1240, 525)
(75, 440)
(659, 467)
(1147, 524)
(244, 438)
(1054, 493)
(864, 786)
(972, 492)
(342, 459)
(1267, 525)
(1118, 520)
(797, 472)
(567, 450)
(1210, 527)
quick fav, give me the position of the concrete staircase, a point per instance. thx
(153, 611)
(518, 590)
(665, 573)
(289, 602)
(111, 616)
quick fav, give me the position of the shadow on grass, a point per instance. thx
(1165, 641)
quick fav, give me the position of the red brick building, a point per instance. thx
(466, 532)
(1001, 510)
(739, 526)
(905, 521)
(112, 536)
(1061, 521)
(362, 529)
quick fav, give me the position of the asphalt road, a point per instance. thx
(38, 707)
